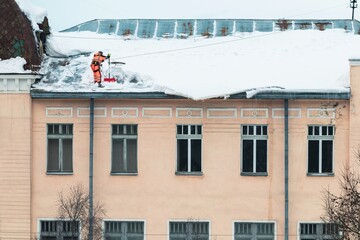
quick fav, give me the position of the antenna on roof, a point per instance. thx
(353, 5)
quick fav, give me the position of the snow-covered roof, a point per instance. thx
(200, 67)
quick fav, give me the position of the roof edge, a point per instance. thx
(161, 95)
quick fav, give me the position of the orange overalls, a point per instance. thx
(95, 66)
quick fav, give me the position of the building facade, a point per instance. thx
(168, 168)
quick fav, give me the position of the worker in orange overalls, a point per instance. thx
(96, 66)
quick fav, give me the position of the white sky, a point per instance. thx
(64, 14)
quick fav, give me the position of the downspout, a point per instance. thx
(91, 155)
(286, 152)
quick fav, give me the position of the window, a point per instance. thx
(254, 149)
(124, 148)
(189, 148)
(254, 231)
(320, 149)
(60, 148)
(117, 230)
(189, 230)
(318, 231)
(59, 230)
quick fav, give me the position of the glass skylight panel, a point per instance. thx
(108, 26)
(264, 25)
(205, 27)
(146, 28)
(166, 28)
(224, 27)
(127, 27)
(244, 26)
(185, 28)
(91, 26)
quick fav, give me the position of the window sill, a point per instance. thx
(123, 174)
(189, 173)
(259, 174)
(59, 173)
(320, 174)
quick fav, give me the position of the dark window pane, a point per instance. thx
(313, 157)
(251, 130)
(245, 132)
(264, 130)
(316, 130)
(185, 129)
(327, 152)
(248, 156)
(310, 131)
(117, 156)
(199, 130)
(261, 156)
(182, 155)
(132, 155)
(331, 130)
(324, 131)
(67, 155)
(179, 129)
(196, 155)
(53, 163)
(193, 129)
(258, 130)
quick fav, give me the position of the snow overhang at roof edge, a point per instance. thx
(336, 95)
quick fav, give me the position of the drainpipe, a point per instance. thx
(91, 155)
(286, 152)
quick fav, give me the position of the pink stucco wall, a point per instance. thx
(221, 195)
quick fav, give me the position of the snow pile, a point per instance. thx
(13, 65)
(34, 13)
(199, 68)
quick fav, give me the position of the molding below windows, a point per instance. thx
(256, 174)
(189, 173)
(59, 173)
(123, 174)
(320, 174)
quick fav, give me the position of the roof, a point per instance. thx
(303, 63)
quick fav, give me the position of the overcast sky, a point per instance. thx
(67, 13)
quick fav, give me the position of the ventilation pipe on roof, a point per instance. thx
(286, 158)
(91, 170)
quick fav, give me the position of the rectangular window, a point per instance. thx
(318, 231)
(128, 230)
(60, 148)
(59, 230)
(124, 149)
(189, 148)
(189, 230)
(254, 149)
(320, 149)
(254, 231)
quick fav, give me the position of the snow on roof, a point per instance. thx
(34, 13)
(200, 67)
(13, 65)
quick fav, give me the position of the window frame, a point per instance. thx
(317, 234)
(123, 221)
(125, 137)
(39, 228)
(254, 138)
(189, 221)
(320, 138)
(253, 223)
(189, 137)
(60, 137)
